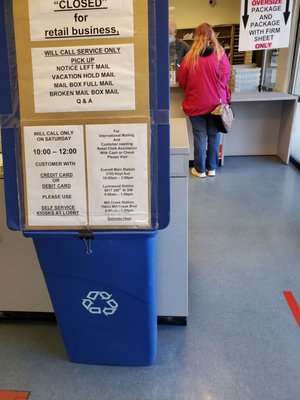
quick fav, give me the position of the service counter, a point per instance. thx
(263, 125)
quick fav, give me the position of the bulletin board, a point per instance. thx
(83, 72)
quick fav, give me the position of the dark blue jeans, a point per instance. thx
(206, 143)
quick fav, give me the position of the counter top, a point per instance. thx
(254, 96)
(179, 136)
(262, 96)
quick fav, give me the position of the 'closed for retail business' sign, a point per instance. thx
(265, 24)
(83, 73)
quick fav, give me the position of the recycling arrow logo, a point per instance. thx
(100, 303)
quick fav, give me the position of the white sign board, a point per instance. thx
(85, 78)
(55, 175)
(84, 19)
(117, 163)
(265, 24)
(115, 169)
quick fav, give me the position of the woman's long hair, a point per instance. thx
(204, 38)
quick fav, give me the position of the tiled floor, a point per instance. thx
(242, 341)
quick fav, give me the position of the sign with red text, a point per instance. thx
(265, 24)
(83, 19)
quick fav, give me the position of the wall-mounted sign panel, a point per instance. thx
(69, 19)
(87, 75)
(265, 24)
(85, 78)
(55, 179)
(92, 176)
(117, 162)
(83, 74)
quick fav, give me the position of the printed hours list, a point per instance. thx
(112, 181)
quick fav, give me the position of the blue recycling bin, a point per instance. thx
(104, 302)
(102, 283)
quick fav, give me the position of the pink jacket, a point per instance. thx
(201, 84)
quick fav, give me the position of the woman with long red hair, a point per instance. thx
(204, 74)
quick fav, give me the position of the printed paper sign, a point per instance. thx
(84, 19)
(265, 24)
(89, 78)
(117, 162)
(55, 175)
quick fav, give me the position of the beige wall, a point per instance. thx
(191, 13)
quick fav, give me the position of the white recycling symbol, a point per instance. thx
(110, 305)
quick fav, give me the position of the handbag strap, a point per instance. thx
(219, 80)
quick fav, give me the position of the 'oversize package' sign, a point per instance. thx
(265, 24)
